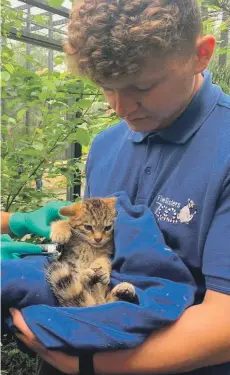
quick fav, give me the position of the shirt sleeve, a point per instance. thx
(216, 258)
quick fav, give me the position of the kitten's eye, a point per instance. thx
(88, 227)
(109, 227)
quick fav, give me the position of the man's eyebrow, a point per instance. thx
(152, 82)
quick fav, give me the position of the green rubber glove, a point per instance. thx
(12, 249)
(36, 222)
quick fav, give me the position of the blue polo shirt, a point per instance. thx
(183, 174)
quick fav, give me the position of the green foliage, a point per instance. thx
(38, 124)
(221, 76)
(216, 20)
(13, 361)
(42, 114)
(55, 3)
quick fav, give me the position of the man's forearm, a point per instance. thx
(200, 338)
(5, 217)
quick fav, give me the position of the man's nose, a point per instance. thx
(126, 104)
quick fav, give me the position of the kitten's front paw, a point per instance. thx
(101, 275)
(60, 237)
(60, 232)
(124, 291)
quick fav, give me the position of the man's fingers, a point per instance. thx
(20, 323)
(63, 362)
(35, 346)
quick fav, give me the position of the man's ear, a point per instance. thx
(72, 210)
(205, 48)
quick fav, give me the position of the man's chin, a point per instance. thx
(144, 125)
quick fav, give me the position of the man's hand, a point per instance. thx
(13, 249)
(36, 222)
(200, 338)
(61, 361)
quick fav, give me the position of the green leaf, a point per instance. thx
(59, 59)
(55, 3)
(5, 76)
(42, 95)
(18, 24)
(81, 136)
(21, 113)
(4, 117)
(6, 3)
(50, 85)
(11, 120)
(38, 146)
(84, 103)
(39, 19)
(222, 51)
(9, 68)
(29, 58)
(30, 152)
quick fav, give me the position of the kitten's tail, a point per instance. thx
(64, 284)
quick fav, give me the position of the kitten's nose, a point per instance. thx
(98, 239)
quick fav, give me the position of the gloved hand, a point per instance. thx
(12, 249)
(36, 222)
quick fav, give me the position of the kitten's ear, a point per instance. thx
(110, 202)
(72, 210)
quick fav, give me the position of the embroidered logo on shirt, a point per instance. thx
(172, 212)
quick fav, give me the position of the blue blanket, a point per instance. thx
(164, 288)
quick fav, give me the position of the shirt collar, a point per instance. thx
(192, 118)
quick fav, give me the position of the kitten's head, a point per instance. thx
(92, 219)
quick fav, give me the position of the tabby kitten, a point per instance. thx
(80, 277)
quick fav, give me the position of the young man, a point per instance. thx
(172, 153)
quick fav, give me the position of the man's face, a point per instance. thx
(156, 96)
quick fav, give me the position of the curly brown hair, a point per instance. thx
(111, 38)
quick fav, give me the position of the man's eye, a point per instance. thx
(143, 90)
(88, 227)
(108, 228)
(106, 89)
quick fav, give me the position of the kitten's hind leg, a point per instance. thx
(64, 283)
(122, 292)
